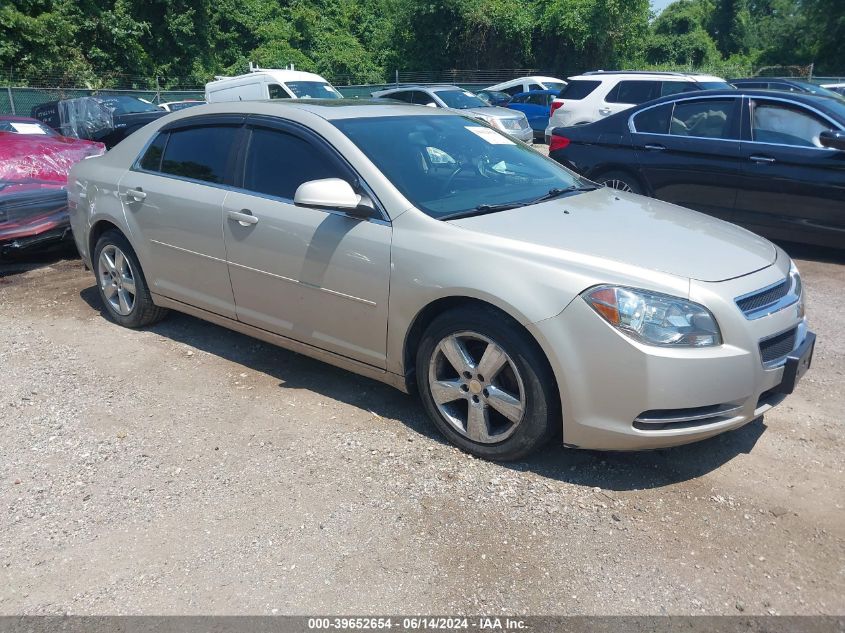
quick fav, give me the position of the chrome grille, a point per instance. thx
(764, 298)
(775, 348)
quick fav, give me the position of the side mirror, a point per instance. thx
(431, 104)
(834, 139)
(333, 193)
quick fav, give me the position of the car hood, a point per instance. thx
(494, 112)
(633, 230)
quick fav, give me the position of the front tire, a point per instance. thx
(486, 384)
(121, 283)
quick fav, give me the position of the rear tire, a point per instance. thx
(121, 283)
(486, 384)
(621, 181)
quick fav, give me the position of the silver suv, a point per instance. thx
(511, 122)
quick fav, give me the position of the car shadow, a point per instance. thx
(809, 252)
(608, 470)
(16, 263)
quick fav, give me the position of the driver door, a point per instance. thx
(318, 276)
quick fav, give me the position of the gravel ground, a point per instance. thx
(186, 469)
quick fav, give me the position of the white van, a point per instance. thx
(268, 83)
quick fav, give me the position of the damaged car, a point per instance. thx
(34, 165)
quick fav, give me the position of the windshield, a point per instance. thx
(460, 99)
(715, 85)
(313, 90)
(821, 90)
(26, 127)
(447, 164)
(175, 106)
(127, 105)
(557, 86)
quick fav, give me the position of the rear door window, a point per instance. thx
(201, 153)
(705, 118)
(634, 92)
(278, 162)
(402, 95)
(577, 89)
(422, 98)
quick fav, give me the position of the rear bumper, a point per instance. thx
(32, 217)
(618, 394)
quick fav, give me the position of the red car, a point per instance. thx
(34, 164)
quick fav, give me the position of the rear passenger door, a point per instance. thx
(318, 276)
(627, 94)
(689, 152)
(173, 203)
(791, 182)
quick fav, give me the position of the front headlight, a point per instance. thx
(653, 318)
(492, 121)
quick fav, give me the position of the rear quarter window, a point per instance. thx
(654, 120)
(577, 89)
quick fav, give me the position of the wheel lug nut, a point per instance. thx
(475, 399)
(467, 375)
(464, 388)
(486, 393)
(480, 378)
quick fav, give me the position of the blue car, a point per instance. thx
(535, 104)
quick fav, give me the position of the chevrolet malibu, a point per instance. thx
(429, 251)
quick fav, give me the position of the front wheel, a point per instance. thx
(121, 283)
(486, 384)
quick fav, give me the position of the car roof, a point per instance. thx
(329, 109)
(537, 92)
(821, 102)
(646, 75)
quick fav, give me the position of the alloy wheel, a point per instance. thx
(117, 279)
(476, 387)
(621, 185)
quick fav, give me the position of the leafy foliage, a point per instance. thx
(104, 42)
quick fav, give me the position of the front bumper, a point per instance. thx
(618, 394)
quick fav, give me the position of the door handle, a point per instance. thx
(136, 195)
(655, 148)
(605, 110)
(243, 217)
(763, 159)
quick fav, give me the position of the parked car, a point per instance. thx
(787, 85)
(512, 123)
(535, 106)
(175, 106)
(103, 118)
(527, 84)
(837, 88)
(493, 97)
(521, 297)
(773, 162)
(595, 95)
(34, 163)
(270, 83)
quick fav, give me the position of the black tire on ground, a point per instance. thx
(144, 312)
(541, 420)
(621, 180)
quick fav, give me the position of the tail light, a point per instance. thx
(558, 142)
(555, 106)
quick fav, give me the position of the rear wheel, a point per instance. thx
(621, 181)
(486, 384)
(121, 283)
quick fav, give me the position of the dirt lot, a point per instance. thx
(187, 469)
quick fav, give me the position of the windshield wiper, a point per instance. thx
(484, 209)
(558, 191)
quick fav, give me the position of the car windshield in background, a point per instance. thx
(461, 99)
(313, 90)
(26, 127)
(715, 85)
(127, 105)
(447, 165)
(181, 105)
(554, 85)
